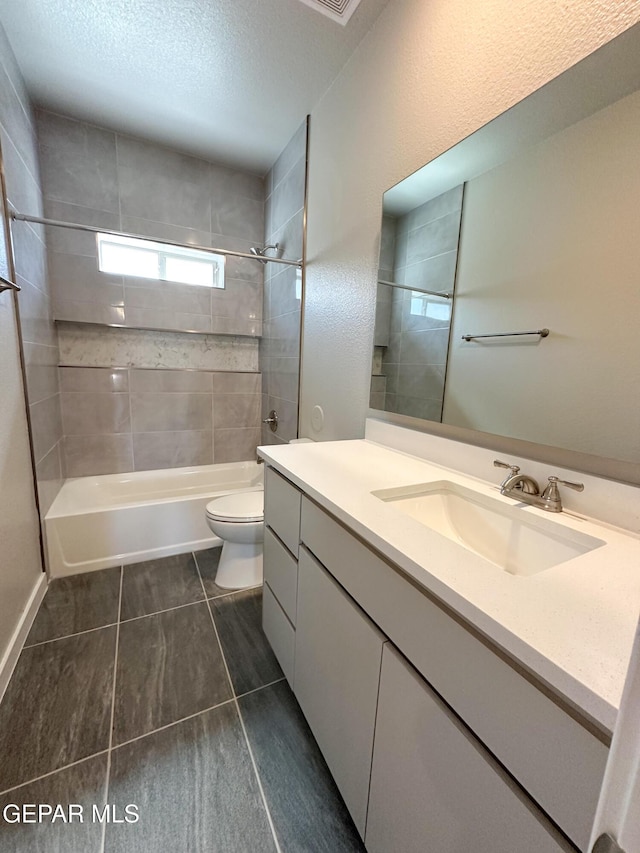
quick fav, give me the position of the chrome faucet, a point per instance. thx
(516, 482)
(525, 489)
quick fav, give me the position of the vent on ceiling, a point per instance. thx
(337, 10)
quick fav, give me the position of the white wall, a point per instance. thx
(428, 74)
(20, 567)
(549, 239)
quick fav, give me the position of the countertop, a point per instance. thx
(571, 625)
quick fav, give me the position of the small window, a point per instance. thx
(148, 259)
(422, 305)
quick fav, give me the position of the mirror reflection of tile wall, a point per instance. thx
(411, 336)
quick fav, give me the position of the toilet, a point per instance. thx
(238, 520)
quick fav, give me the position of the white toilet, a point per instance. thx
(238, 520)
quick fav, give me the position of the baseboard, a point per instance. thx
(11, 655)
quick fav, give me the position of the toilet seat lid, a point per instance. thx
(243, 506)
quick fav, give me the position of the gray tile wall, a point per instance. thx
(96, 177)
(280, 345)
(130, 419)
(415, 357)
(84, 345)
(20, 154)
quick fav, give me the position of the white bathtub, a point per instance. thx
(98, 522)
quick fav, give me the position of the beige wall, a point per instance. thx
(548, 239)
(427, 75)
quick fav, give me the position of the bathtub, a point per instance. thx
(98, 522)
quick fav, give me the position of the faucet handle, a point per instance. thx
(513, 468)
(551, 490)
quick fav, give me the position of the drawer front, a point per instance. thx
(281, 573)
(337, 672)
(282, 509)
(279, 632)
(434, 787)
(554, 758)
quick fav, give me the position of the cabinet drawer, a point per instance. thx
(279, 631)
(434, 787)
(282, 509)
(337, 671)
(556, 759)
(281, 573)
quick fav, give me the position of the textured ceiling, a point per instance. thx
(229, 80)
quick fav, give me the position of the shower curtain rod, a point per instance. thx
(6, 284)
(75, 226)
(442, 294)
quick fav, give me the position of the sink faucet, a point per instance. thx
(525, 489)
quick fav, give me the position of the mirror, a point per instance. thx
(508, 293)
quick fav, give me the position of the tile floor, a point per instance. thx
(150, 685)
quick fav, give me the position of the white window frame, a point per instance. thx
(163, 252)
(423, 301)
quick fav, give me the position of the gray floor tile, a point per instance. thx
(195, 788)
(159, 584)
(83, 784)
(307, 810)
(77, 603)
(169, 666)
(249, 657)
(208, 565)
(57, 707)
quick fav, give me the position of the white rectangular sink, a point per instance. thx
(517, 542)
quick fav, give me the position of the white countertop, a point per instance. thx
(572, 625)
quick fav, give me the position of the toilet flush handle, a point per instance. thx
(272, 420)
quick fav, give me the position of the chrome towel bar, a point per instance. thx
(541, 332)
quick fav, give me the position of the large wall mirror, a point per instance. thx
(509, 280)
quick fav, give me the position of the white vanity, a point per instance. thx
(463, 698)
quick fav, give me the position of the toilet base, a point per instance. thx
(240, 565)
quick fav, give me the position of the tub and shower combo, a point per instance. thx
(103, 521)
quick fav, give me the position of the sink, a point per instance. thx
(518, 543)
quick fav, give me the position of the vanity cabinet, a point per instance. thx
(282, 501)
(433, 785)
(541, 763)
(555, 756)
(337, 672)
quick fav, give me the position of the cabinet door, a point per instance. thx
(281, 573)
(337, 671)
(279, 631)
(434, 787)
(282, 509)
